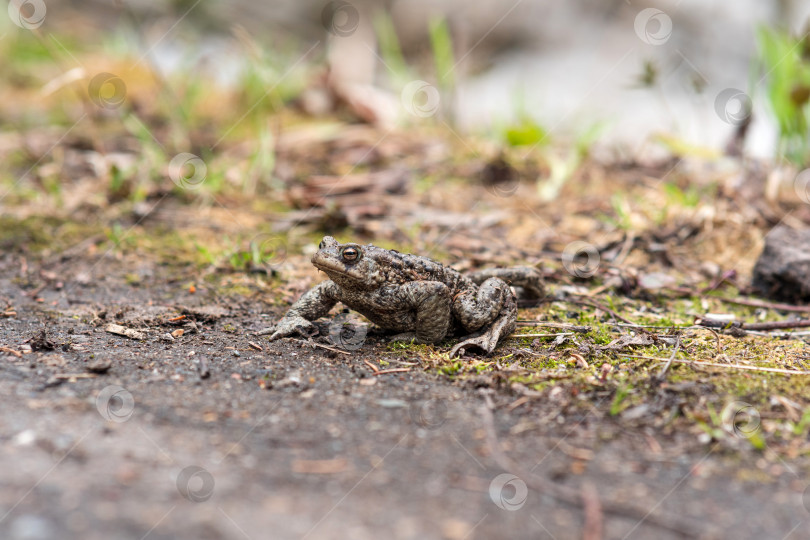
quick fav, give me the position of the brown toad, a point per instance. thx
(414, 295)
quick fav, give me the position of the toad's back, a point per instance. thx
(398, 268)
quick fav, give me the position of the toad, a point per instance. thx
(418, 297)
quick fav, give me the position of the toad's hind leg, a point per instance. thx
(490, 312)
(487, 338)
(476, 308)
(527, 278)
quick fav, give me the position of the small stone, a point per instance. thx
(636, 412)
(25, 438)
(782, 271)
(391, 403)
(656, 280)
(202, 368)
(99, 366)
(31, 527)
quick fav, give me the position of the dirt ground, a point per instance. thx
(148, 234)
(206, 436)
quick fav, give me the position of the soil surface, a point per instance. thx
(206, 436)
(149, 232)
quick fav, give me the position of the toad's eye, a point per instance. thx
(320, 246)
(350, 254)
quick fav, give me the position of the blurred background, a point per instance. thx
(632, 71)
(111, 111)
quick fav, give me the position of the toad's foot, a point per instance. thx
(292, 326)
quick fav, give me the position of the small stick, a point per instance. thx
(592, 510)
(565, 326)
(714, 364)
(663, 374)
(716, 336)
(675, 327)
(542, 335)
(374, 368)
(582, 454)
(777, 325)
(327, 347)
(597, 305)
(68, 376)
(762, 304)
(772, 325)
(36, 291)
(175, 319)
(517, 403)
(743, 366)
(255, 346)
(393, 370)
(18, 354)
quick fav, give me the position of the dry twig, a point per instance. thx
(327, 347)
(715, 364)
(597, 305)
(762, 304)
(392, 370)
(374, 368)
(541, 335)
(592, 508)
(663, 374)
(771, 325)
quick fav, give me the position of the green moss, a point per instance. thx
(451, 368)
(41, 235)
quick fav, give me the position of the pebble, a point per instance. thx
(31, 527)
(391, 403)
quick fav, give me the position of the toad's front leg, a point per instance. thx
(314, 304)
(430, 303)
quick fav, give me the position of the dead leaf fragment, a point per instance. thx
(604, 372)
(579, 360)
(53, 360)
(124, 331)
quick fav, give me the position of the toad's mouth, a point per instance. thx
(330, 268)
(329, 271)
